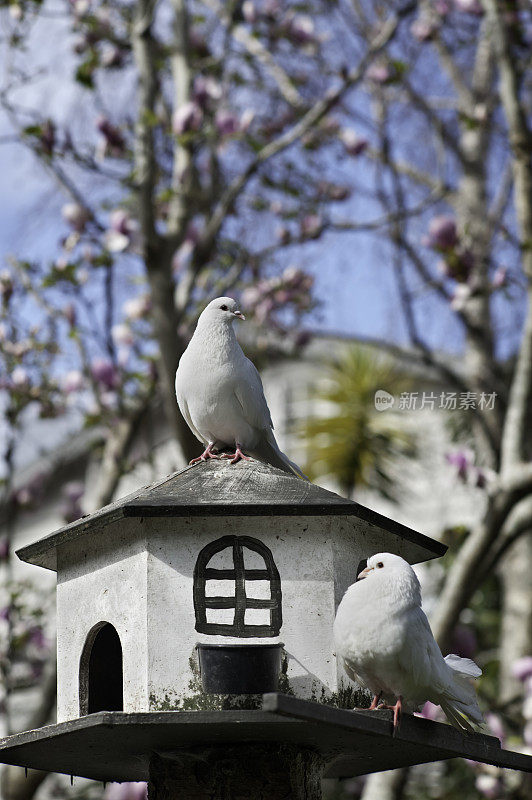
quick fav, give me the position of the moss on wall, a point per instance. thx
(198, 700)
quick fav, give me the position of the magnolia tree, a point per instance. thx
(192, 164)
(449, 137)
(214, 148)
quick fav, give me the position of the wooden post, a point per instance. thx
(237, 772)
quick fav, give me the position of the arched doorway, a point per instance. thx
(100, 671)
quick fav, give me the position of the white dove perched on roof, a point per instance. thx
(385, 642)
(220, 394)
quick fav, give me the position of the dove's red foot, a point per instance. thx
(237, 456)
(204, 456)
(375, 702)
(397, 711)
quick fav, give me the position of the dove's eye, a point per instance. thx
(380, 565)
(223, 308)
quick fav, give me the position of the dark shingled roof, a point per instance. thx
(249, 488)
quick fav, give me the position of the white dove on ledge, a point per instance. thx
(220, 394)
(386, 645)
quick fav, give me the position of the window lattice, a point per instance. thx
(238, 574)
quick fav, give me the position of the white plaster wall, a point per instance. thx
(102, 577)
(304, 560)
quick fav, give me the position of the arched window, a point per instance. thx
(251, 585)
(100, 671)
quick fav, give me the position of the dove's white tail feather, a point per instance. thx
(462, 706)
(456, 718)
(268, 450)
(463, 665)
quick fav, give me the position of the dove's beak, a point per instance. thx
(239, 314)
(364, 573)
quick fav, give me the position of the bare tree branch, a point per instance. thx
(255, 48)
(515, 441)
(306, 123)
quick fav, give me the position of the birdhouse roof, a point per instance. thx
(249, 488)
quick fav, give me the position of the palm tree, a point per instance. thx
(348, 438)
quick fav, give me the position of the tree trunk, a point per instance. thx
(516, 627)
(237, 772)
(386, 785)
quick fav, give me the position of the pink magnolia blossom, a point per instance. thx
(500, 278)
(469, 6)
(71, 512)
(461, 295)
(488, 785)
(37, 638)
(198, 43)
(74, 490)
(301, 29)
(20, 377)
(32, 493)
(522, 668)
(122, 231)
(298, 278)
(113, 136)
(311, 226)
(464, 641)
(80, 44)
(137, 307)
(246, 119)
(73, 381)
(378, 73)
(206, 89)
(442, 233)
(127, 791)
(111, 56)
(80, 7)
(69, 312)
(272, 9)
(227, 123)
(283, 234)
(104, 372)
(76, 216)
(264, 309)
(423, 29)
(250, 296)
(249, 12)
(463, 461)
(182, 255)
(430, 711)
(187, 118)
(122, 335)
(496, 727)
